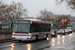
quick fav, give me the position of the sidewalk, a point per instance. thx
(2, 41)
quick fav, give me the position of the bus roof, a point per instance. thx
(35, 21)
(29, 19)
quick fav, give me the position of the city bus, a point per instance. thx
(26, 30)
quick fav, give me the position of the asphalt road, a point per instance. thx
(61, 42)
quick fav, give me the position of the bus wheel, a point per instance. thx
(46, 35)
(36, 37)
(20, 40)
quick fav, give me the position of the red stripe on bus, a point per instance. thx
(49, 34)
(20, 35)
(44, 34)
(33, 35)
(40, 23)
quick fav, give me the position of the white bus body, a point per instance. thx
(30, 30)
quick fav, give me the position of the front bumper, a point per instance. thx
(52, 35)
(70, 31)
(61, 33)
(27, 39)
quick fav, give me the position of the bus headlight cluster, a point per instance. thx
(29, 37)
(12, 36)
(47, 38)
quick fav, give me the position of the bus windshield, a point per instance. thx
(69, 27)
(21, 28)
(52, 31)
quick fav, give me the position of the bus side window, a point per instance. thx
(37, 28)
(33, 28)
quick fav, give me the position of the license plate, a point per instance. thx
(20, 38)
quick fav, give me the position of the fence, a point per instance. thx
(5, 36)
(5, 32)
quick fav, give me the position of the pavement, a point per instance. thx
(66, 42)
(61, 42)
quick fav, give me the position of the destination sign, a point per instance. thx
(21, 21)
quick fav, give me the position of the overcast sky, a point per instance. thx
(34, 6)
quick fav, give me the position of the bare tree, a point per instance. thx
(70, 3)
(9, 12)
(48, 16)
(72, 18)
(45, 16)
(60, 17)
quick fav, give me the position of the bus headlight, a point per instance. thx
(12, 36)
(29, 37)
(47, 38)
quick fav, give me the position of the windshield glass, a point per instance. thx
(21, 28)
(52, 30)
(61, 30)
(65, 29)
(69, 27)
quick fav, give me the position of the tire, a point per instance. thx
(72, 32)
(56, 35)
(20, 40)
(36, 37)
(46, 35)
(68, 32)
(63, 33)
